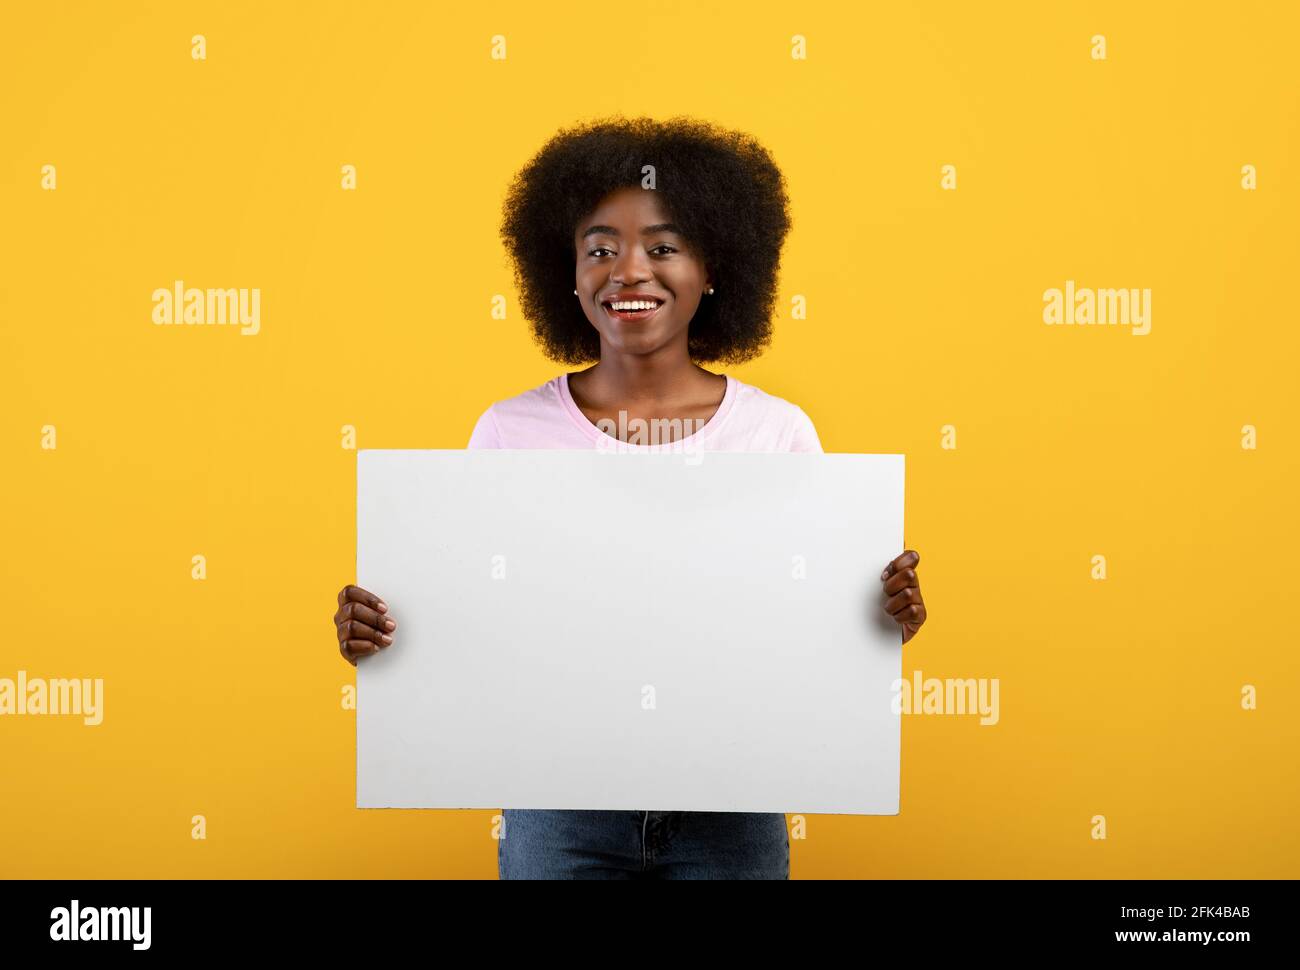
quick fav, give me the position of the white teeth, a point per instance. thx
(632, 305)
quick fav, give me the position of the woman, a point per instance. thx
(669, 236)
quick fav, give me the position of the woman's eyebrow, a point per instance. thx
(645, 230)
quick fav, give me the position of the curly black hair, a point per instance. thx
(720, 186)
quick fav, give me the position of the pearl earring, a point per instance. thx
(575, 292)
(709, 291)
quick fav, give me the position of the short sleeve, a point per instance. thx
(804, 437)
(486, 434)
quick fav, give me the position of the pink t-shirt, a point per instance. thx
(748, 419)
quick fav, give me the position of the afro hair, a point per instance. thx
(720, 186)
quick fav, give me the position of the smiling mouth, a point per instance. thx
(632, 310)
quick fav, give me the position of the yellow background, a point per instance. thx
(222, 697)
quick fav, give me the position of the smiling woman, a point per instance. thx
(647, 248)
(704, 206)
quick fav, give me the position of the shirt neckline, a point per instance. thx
(593, 432)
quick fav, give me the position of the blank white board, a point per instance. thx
(649, 631)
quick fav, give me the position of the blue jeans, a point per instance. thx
(554, 844)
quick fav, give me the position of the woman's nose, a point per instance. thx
(633, 264)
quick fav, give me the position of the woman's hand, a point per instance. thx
(361, 625)
(903, 590)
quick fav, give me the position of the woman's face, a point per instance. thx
(627, 246)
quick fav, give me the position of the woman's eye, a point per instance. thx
(604, 249)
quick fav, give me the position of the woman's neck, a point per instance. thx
(646, 380)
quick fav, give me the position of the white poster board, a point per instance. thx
(646, 631)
